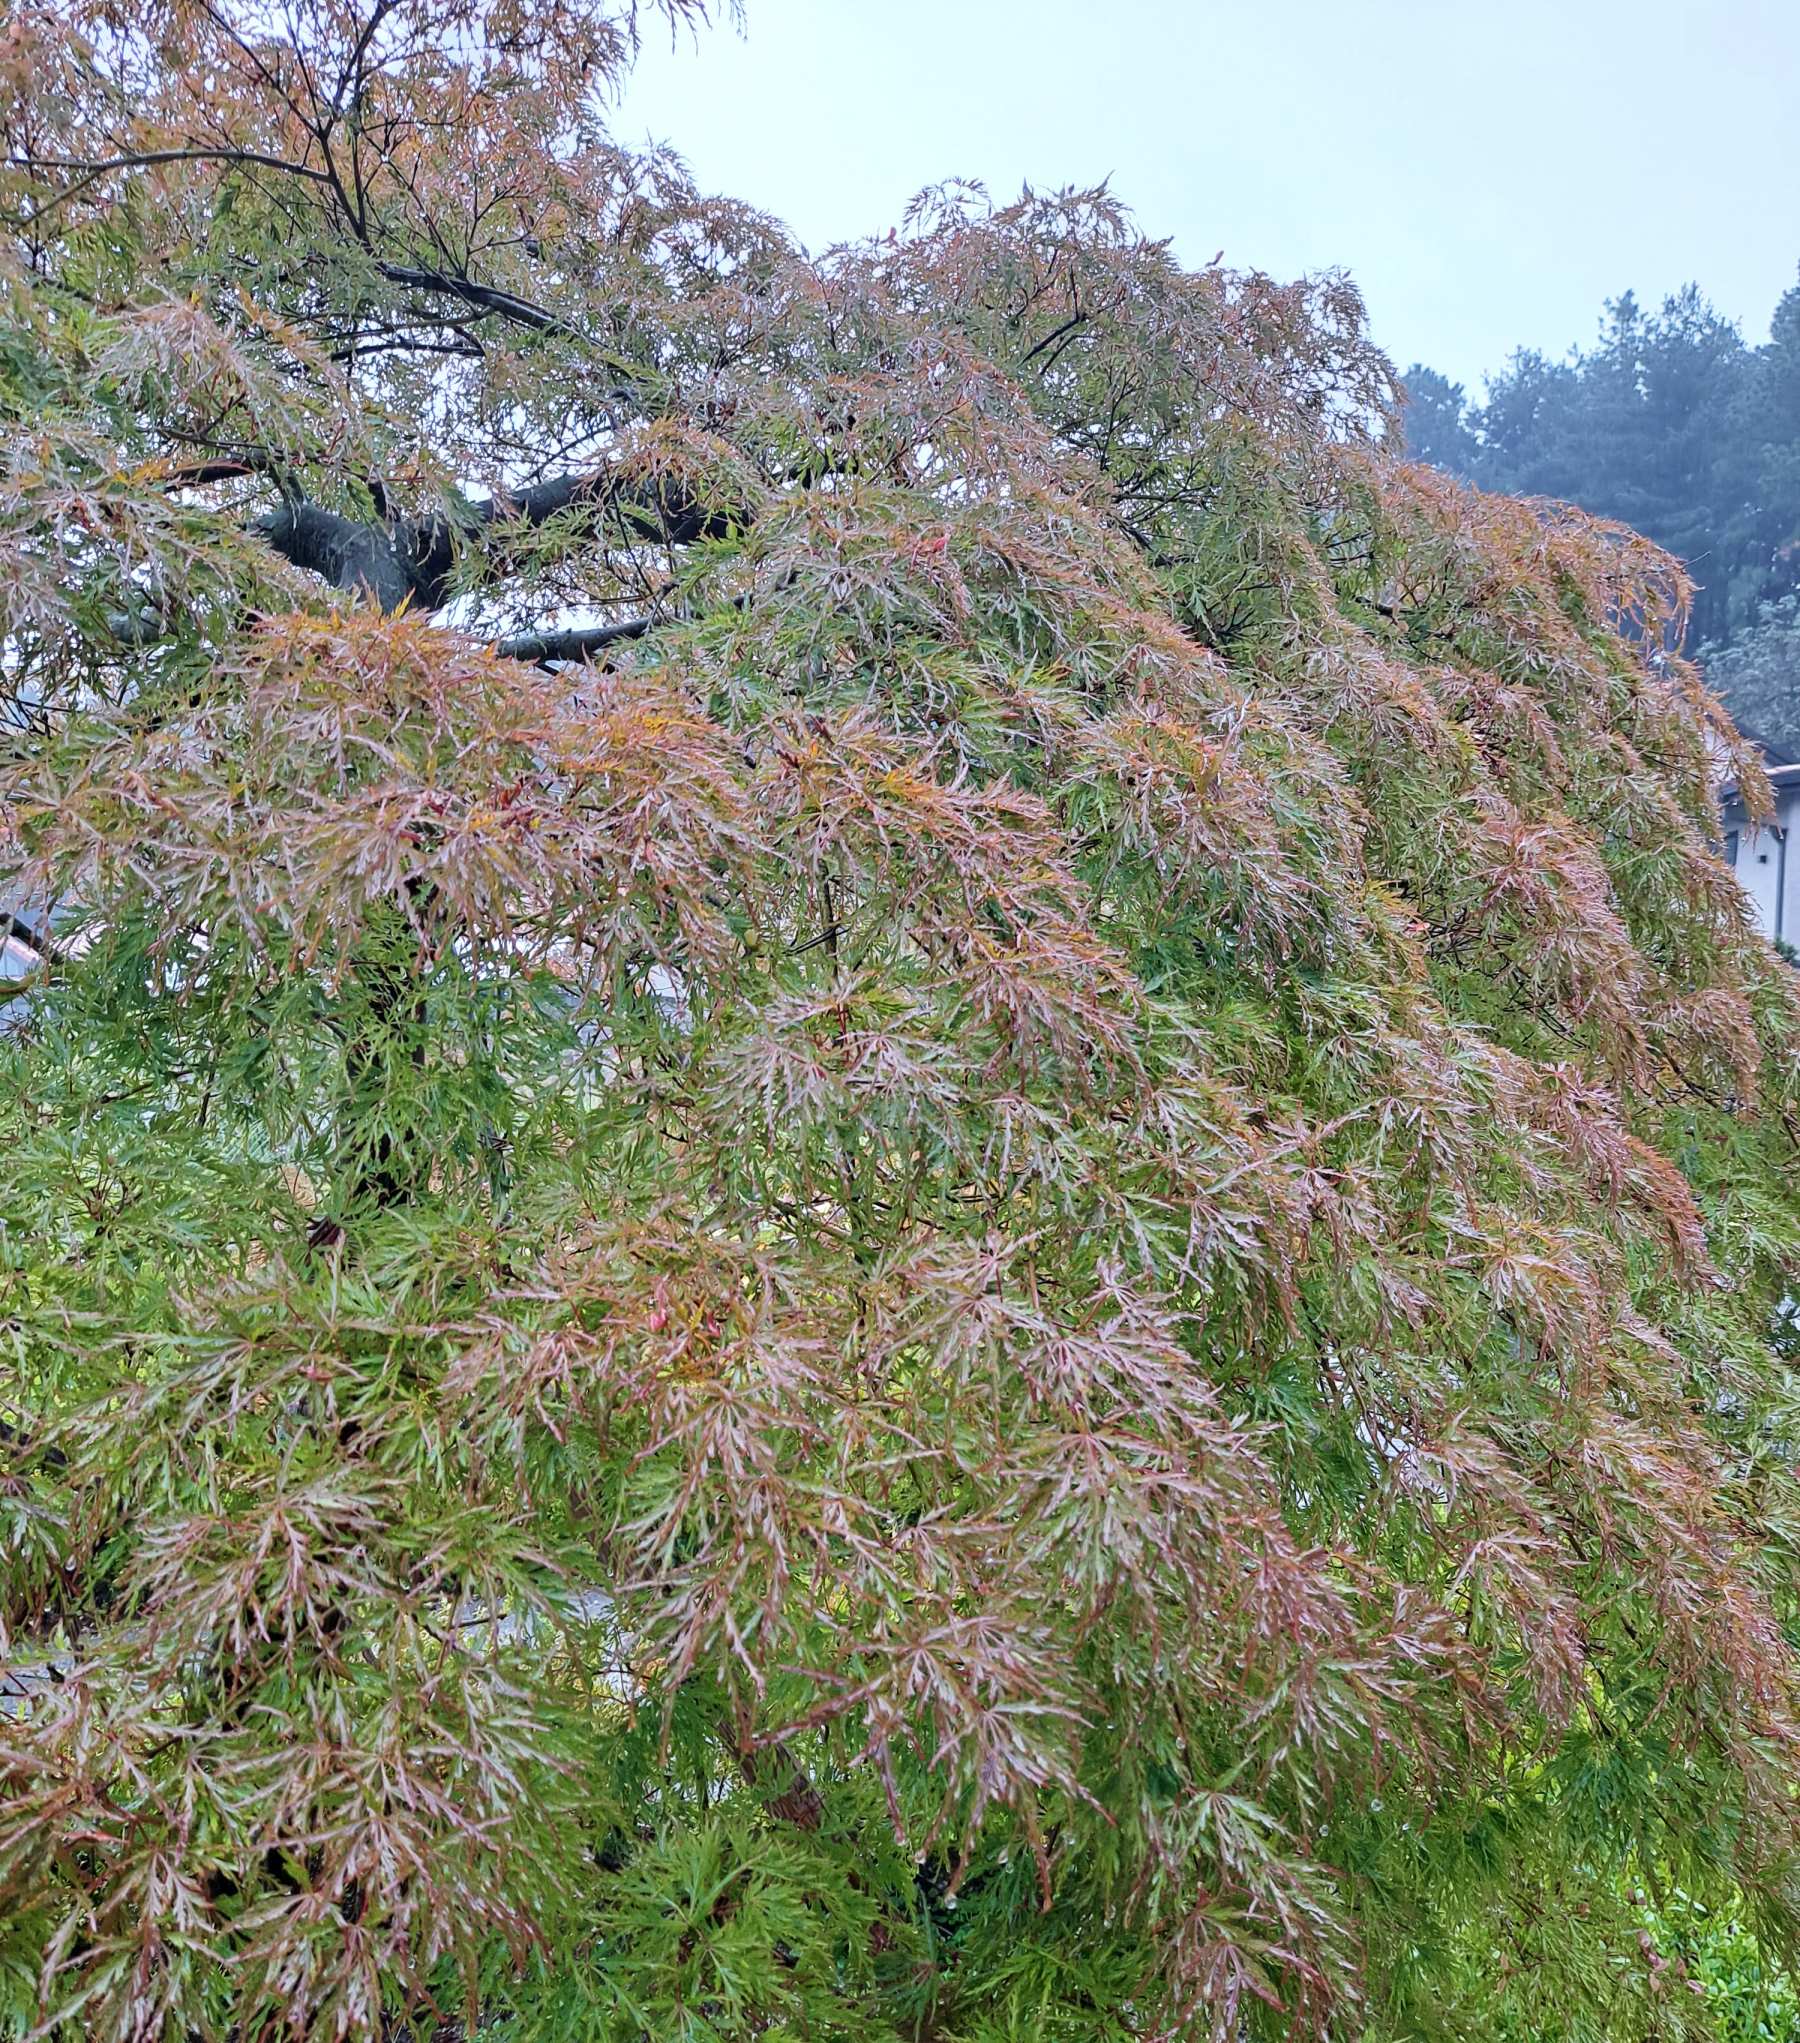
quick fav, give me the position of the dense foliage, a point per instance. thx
(1670, 423)
(891, 1168)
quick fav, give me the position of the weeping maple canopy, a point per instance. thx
(889, 1167)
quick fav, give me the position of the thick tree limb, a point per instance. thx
(485, 297)
(660, 510)
(582, 642)
(401, 561)
(412, 560)
(788, 1794)
(360, 559)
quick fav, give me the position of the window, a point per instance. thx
(18, 961)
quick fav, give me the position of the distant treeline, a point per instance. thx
(1673, 424)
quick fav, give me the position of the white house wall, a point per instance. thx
(1766, 861)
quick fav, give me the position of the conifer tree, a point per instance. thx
(1669, 423)
(887, 1167)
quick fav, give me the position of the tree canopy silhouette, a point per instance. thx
(890, 1167)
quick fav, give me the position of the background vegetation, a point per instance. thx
(1671, 423)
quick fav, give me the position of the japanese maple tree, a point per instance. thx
(887, 1167)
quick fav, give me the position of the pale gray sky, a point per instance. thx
(1487, 171)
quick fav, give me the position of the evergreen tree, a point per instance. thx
(1435, 422)
(1668, 423)
(1758, 674)
(890, 1169)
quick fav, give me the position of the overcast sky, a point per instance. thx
(1487, 170)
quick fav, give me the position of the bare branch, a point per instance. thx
(580, 643)
(506, 304)
(144, 159)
